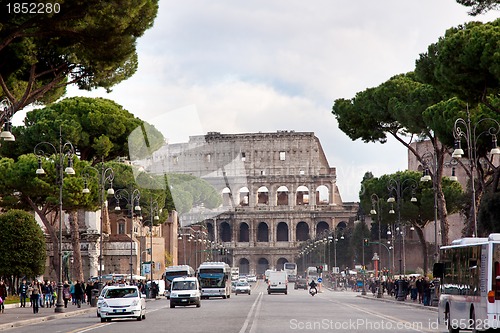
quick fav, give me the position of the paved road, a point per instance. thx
(296, 312)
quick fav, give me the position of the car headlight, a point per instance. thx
(104, 304)
(173, 294)
(135, 302)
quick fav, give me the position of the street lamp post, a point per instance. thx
(464, 129)
(132, 198)
(430, 161)
(153, 214)
(106, 175)
(399, 186)
(373, 211)
(6, 113)
(63, 150)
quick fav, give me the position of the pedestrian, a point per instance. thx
(88, 291)
(48, 292)
(427, 291)
(79, 292)
(23, 293)
(420, 290)
(28, 294)
(66, 293)
(35, 295)
(413, 289)
(3, 296)
(72, 291)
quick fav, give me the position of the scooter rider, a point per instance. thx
(313, 285)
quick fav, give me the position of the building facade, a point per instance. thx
(277, 190)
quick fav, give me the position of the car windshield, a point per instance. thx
(242, 283)
(184, 285)
(121, 293)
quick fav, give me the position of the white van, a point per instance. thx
(277, 282)
(185, 291)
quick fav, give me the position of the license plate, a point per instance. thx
(183, 300)
(119, 310)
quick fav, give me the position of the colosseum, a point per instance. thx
(277, 189)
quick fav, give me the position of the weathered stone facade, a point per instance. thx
(277, 190)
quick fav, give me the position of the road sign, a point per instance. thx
(320, 280)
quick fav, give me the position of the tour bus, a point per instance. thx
(291, 271)
(215, 279)
(469, 270)
(171, 272)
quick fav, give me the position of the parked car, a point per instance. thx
(122, 302)
(252, 278)
(300, 283)
(233, 286)
(185, 291)
(242, 287)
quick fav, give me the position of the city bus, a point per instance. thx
(215, 279)
(171, 272)
(469, 270)
(291, 271)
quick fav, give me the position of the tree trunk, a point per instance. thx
(423, 243)
(77, 267)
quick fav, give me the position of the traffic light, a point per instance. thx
(366, 242)
(320, 269)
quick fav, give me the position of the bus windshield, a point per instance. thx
(211, 278)
(172, 275)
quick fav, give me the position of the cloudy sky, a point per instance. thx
(248, 66)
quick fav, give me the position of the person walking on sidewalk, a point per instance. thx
(3, 296)
(35, 295)
(79, 292)
(23, 293)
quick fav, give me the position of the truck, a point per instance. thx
(277, 282)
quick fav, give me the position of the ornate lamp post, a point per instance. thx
(153, 216)
(464, 129)
(64, 150)
(105, 176)
(399, 186)
(375, 211)
(132, 198)
(7, 111)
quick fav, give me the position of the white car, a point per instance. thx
(242, 287)
(99, 300)
(122, 302)
(252, 278)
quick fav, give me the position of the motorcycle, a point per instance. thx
(313, 291)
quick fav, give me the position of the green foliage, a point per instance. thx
(417, 213)
(489, 214)
(23, 245)
(394, 107)
(480, 6)
(90, 43)
(188, 191)
(97, 127)
(464, 63)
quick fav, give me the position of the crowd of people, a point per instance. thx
(419, 289)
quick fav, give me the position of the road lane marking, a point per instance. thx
(407, 325)
(254, 306)
(90, 328)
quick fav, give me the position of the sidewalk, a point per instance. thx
(14, 316)
(390, 299)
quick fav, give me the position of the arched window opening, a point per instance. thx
(262, 232)
(244, 235)
(282, 196)
(282, 232)
(302, 195)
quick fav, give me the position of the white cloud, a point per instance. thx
(249, 66)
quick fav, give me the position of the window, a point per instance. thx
(243, 157)
(282, 155)
(121, 228)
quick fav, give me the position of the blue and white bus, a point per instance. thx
(469, 270)
(215, 279)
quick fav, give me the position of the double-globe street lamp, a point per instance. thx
(106, 175)
(398, 186)
(376, 204)
(132, 199)
(64, 150)
(464, 129)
